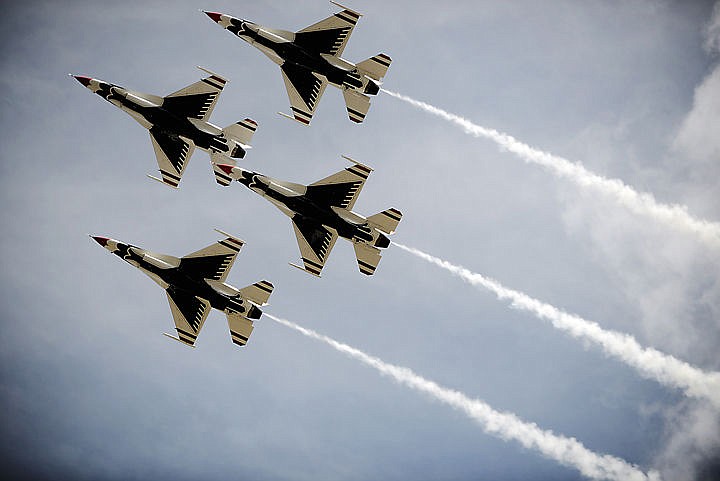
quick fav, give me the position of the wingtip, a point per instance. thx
(350, 159)
(222, 232)
(346, 8)
(157, 179)
(305, 270)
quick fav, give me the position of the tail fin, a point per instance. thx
(259, 293)
(367, 257)
(387, 220)
(375, 67)
(221, 177)
(357, 105)
(242, 131)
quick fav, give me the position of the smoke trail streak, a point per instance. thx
(638, 202)
(649, 362)
(566, 451)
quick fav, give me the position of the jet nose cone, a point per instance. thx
(83, 80)
(103, 241)
(213, 15)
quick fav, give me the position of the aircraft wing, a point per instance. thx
(341, 189)
(189, 314)
(214, 261)
(328, 36)
(315, 242)
(304, 91)
(196, 100)
(172, 154)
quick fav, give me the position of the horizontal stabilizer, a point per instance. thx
(368, 258)
(240, 328)
(387, 220)
(242, 131)
(357, 105)
(375, 67)
(259, 293)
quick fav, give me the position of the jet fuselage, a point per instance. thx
(173, 278)
(156, 118)
(281, 51)
(296, 205)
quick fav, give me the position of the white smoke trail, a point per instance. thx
(638, 202)
(567, 451)
(649, 362)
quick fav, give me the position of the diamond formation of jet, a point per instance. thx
(309, 60)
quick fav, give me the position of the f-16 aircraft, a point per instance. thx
(179, 122)
(196, 283)
(322, 211)
(310, 58)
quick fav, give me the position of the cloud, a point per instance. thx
(692, 450)
(672, 282)
(698, 135)
(712, 31)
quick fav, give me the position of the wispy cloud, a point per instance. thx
(643, 203)
(649, 362)
(507, 426)
(712, 31)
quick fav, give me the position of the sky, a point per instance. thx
(91, 389)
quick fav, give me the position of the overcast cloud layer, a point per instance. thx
(92, 390)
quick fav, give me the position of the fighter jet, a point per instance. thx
(310, 58)
(195, 283)
(322, 211)
(179, 122)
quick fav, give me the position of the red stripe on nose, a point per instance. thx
(82, 79)
(214, 15)
(101, 240)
